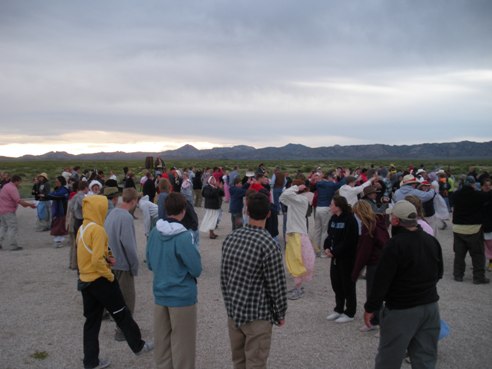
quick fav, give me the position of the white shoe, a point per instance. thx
(365, 328)
(344, 319)
(333, 316)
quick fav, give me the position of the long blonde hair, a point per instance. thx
(364, 212)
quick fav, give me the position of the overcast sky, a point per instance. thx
(88, 76)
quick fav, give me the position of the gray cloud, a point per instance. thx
(212, 66)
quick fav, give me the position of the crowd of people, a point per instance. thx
(380, 224)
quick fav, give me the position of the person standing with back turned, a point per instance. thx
(99, 288)
(252, 279)
(406, 279)
(176, 263)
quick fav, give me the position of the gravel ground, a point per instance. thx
(41, 312)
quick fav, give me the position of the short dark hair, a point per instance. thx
(175, 203)
(16, 178)
(62, 180)
(341, 202)
(258, 205)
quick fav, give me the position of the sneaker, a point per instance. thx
(481, 281)
(365, 328)
(344, 319)
(16, 248)
(103, 363)
(147, 347)
(296, 294)
(333, 316)
(458, 279)
(119, 336)
(407, 358)
(323, 255)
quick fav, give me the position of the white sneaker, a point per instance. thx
(333, 316)
(344, 319)
(148, 346)
(365, 328)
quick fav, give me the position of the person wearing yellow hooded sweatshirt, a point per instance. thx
(100, 290)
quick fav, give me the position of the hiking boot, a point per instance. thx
(103, 363)
(481, 281)
(147, 347)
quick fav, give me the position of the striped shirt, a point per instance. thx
(252, 277)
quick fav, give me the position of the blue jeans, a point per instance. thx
(276, 196)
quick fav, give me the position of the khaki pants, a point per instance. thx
(175, 337)
(127, 287)
(250, 344)
(8, 231)
(321, 219)
(198, 198)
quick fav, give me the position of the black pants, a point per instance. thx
(99, 295)
(370, 273)
(76, 225)
(344, 288)
(473, 244)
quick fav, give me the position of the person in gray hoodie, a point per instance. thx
(408, 186)
(123, 244)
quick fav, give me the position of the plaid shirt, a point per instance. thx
(252, 277)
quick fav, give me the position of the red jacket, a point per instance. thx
(369, 248)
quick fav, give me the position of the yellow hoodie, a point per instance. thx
(92, 240)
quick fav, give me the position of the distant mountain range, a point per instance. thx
(452, 150)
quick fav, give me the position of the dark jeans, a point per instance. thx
(472, 243)
(99, 295)
(236, 220)
(276, 196)
(370, 272)
(343, 286)
(76, 225)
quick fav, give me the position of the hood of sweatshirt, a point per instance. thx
(406, 189)
(94, 209)
(169, 229)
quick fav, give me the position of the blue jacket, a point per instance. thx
(237, 195)
(404, 191)
(326, 191)
(176, 263)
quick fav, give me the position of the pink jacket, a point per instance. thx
(9, 198)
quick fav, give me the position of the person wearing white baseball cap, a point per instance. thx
(405, 280)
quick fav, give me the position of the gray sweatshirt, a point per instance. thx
(122, 240)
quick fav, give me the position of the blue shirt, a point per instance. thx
(326, 191)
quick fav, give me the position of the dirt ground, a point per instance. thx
(41, 314)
